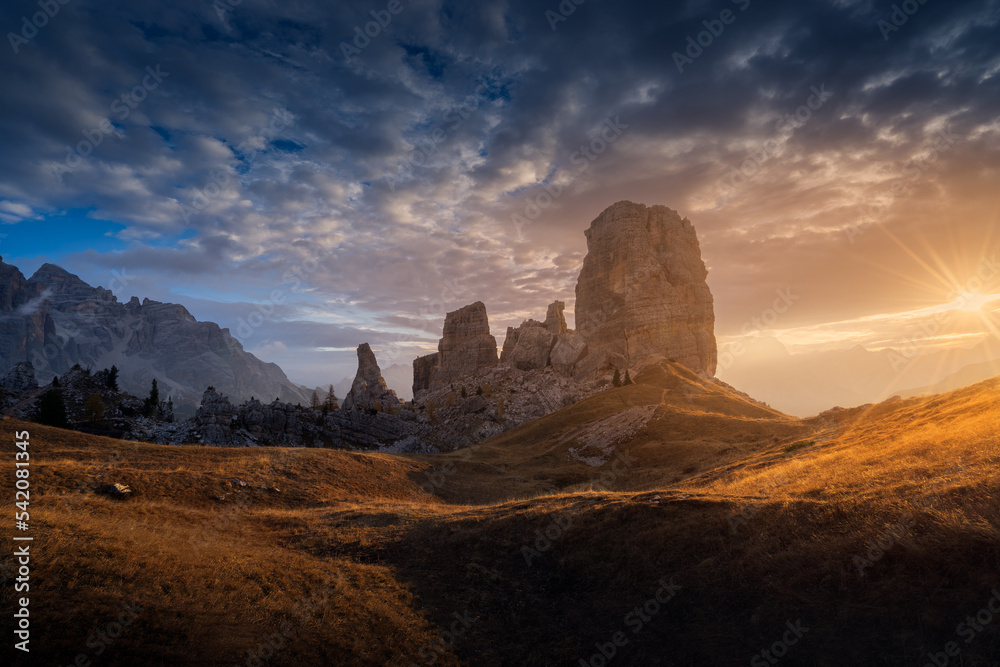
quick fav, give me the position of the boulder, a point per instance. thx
(531, 349)
(569, 349)
(473, 404)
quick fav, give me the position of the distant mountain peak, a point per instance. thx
(49, 271)
(56, 320)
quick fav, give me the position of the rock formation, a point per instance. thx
(642, 292)
(21, 377)
(55, 320)
(527, 347)
(641, 296)
(369, 390)
(466, 348)
(253, 423)
(535, 345)
(555, 322)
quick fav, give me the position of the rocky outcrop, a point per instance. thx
(528, 346)
(214, 418)
(555, 321)
(20, 378)
(369, 390)
(56, 320)
(465, 349)
(569, 349)
(642, 292)
(91, 401)
(423, 369)
(535, 345)
(496, 400)
(253, 423)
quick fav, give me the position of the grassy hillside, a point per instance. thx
(865, 537)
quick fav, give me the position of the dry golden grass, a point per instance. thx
(761, 518)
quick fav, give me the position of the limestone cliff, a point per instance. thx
(642, 292)
(466, 348)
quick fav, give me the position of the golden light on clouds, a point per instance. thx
(974, 302)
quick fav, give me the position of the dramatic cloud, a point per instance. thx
(271, 157)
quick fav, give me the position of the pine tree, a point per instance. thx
(314, 401)
(112, 378)
(331, 403)
(465, 394)
(52, 409)
(617, 379)
(152, 403)
(628, 380)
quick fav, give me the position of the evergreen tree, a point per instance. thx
(331, 403)
(628, 379)
(314, 401)
(617, 379)
(52, 409)
(152, 403)
(112, 378)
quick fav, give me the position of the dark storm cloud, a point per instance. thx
(398, 165)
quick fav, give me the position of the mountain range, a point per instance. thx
(55, 320)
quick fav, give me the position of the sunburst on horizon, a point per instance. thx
(973, 302)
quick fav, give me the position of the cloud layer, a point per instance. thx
(845, 150)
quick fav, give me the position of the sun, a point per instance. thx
(973, 302)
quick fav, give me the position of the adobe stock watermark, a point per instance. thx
(912, 172)
(122, 107)
(893, 534)
(968, 630)
(303, 611)
(713, 30)
(779, 649)
(901, 356)
(41, 359)
(104, 636)
(372, 29)
(436, 477)
(635, 620)
(767, 318)
(785, 127)
(434, 649)
(610, 131)
(264, 310)
(248, 149)
(38, 20)
(900, 15)
(565, 10)
(556, 529)
(429, 144)
(395, 344)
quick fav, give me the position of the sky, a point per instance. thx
(314, 175)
